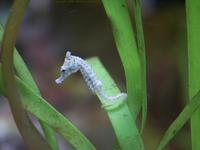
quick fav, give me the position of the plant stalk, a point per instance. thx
(193, 30)
(30, 134)
(142, 53)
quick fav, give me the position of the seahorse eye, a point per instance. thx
(63, 70)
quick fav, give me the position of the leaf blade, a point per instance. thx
(118, 15)
(118, 111)
(25, 75)
(42, 110)
(182, 118)
(142, 54)
(193, 21)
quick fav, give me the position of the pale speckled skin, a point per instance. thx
(73, 64)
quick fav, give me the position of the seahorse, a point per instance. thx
(72, 64)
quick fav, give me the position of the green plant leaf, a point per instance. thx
(142, 54)
(31, 136)
(36, 105)
(183, 117)
(193, 21)
(118, 111)
(117, 12)
(25, 75)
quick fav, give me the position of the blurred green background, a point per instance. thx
(81, 26)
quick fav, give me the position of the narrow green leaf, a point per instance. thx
(1, 32)
(39, 107)
(25, 75)
(142, 52)
(32, 138)
(118, 111)
(183, 117)
(23, 72)
(193, 22)
(117, 12)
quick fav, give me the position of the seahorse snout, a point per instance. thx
(59, 80)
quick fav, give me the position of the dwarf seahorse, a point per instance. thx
(73, 64)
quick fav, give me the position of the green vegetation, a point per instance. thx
(191, 110)
(120, 116)
(30, 134)
(193, 20)
(17, 84)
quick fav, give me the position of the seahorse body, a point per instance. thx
(74, 63)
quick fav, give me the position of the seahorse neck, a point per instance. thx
(83, 66)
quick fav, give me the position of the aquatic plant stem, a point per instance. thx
(117, 12)
(142, 54)
(193, 30)
(31, 136)
(190, 109)
(23, 73)
(41, 109)
(124, 125)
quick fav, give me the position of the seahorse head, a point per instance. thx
(69, 67)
